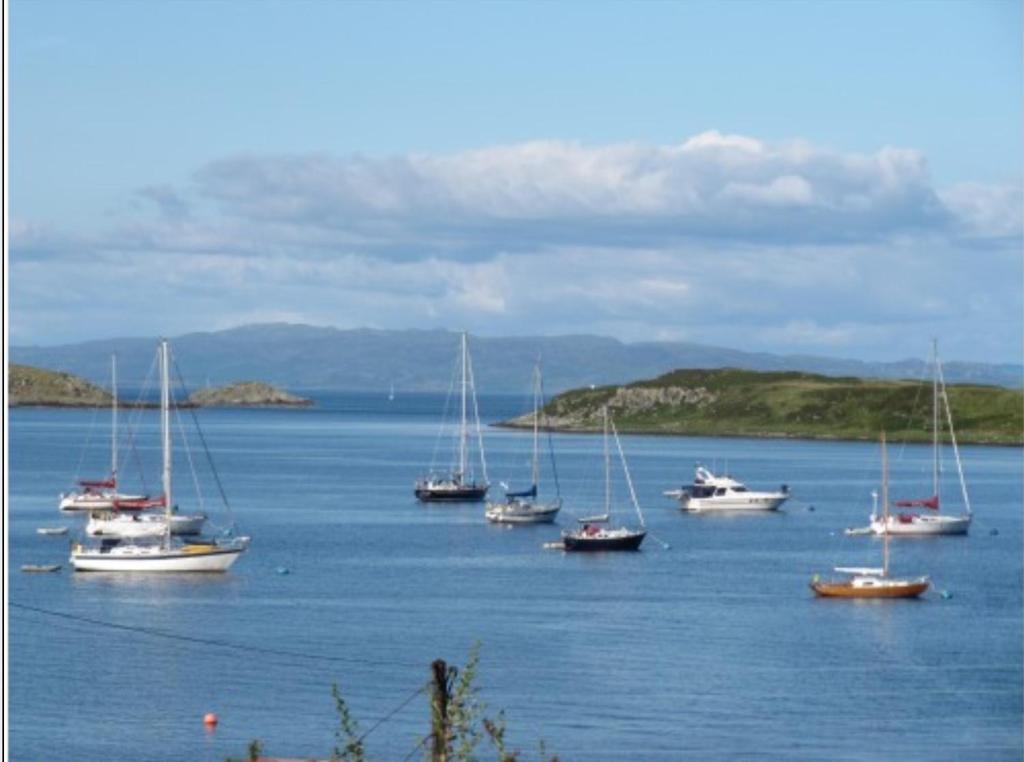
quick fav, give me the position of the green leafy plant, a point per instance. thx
(350, 748)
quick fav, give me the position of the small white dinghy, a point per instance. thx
(52, 530)
(35, 568)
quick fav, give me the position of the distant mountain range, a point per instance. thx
(314, 358)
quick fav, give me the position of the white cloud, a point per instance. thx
(467, 204)
(987, 211)
(721, 238)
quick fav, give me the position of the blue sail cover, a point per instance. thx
(532, 492)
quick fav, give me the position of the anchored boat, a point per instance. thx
(909, 520)
(711, 492)
(100, 494)
(868, 582)
(597, 532)
(460, 483)
(167, 554)
(523, 507)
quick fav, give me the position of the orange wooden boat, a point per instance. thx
(870, 582)
(870, 586)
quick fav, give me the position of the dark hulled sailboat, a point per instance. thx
(595, 532)
(460, 484)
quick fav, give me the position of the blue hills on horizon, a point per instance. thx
(308, 357)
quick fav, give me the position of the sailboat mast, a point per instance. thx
(165, 427)
(629, 479)
(607, 468)
(885, 508)
(113, 418)
(536, 424)
(935, 417)
(952, 437)
(463, 432)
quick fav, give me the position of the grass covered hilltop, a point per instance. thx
(731, 402)
(36, 386)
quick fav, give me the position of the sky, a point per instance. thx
(827, 178)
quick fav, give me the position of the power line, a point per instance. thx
(418, 746)
(394, 711)
(153, 632)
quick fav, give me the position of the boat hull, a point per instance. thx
(52, 530)
(578, 542)
(521, 513)
(136, 527)
(40, 568)
(893, 589)
(922, 525)
(156, 559)
(463, 494)
(770, 502)
(92, 501)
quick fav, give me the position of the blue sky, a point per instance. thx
(832, 178)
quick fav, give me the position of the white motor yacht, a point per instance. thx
(723, 493)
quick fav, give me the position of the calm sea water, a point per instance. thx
(714, 648)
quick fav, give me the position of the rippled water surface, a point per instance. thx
(712, 648)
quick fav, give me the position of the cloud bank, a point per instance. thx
(720, 238)
(716, 187)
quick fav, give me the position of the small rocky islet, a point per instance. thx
(247, 394)
(39, 387)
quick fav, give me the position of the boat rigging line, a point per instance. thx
(206, 448)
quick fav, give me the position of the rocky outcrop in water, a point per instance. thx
(37, 386)
(247, 394)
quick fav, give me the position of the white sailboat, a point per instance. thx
(460, 484)
(523, 507)
(869, 582)
(100, 494)
(596, 532)
(136, 524)
(167, 555)
(907, 520)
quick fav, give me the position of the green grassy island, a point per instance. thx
(36, 386)
(743, 403)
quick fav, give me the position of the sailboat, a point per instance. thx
(596, 532)
(99, 494)
(460, 484)
(128, 521)
(523, 507)
(391, 392)
(167, 555)
(910, 522)
(866, 582)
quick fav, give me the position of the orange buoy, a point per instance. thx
(210, 719)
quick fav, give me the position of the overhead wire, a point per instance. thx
(219, 643)
(417, 747)
(394, 711)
